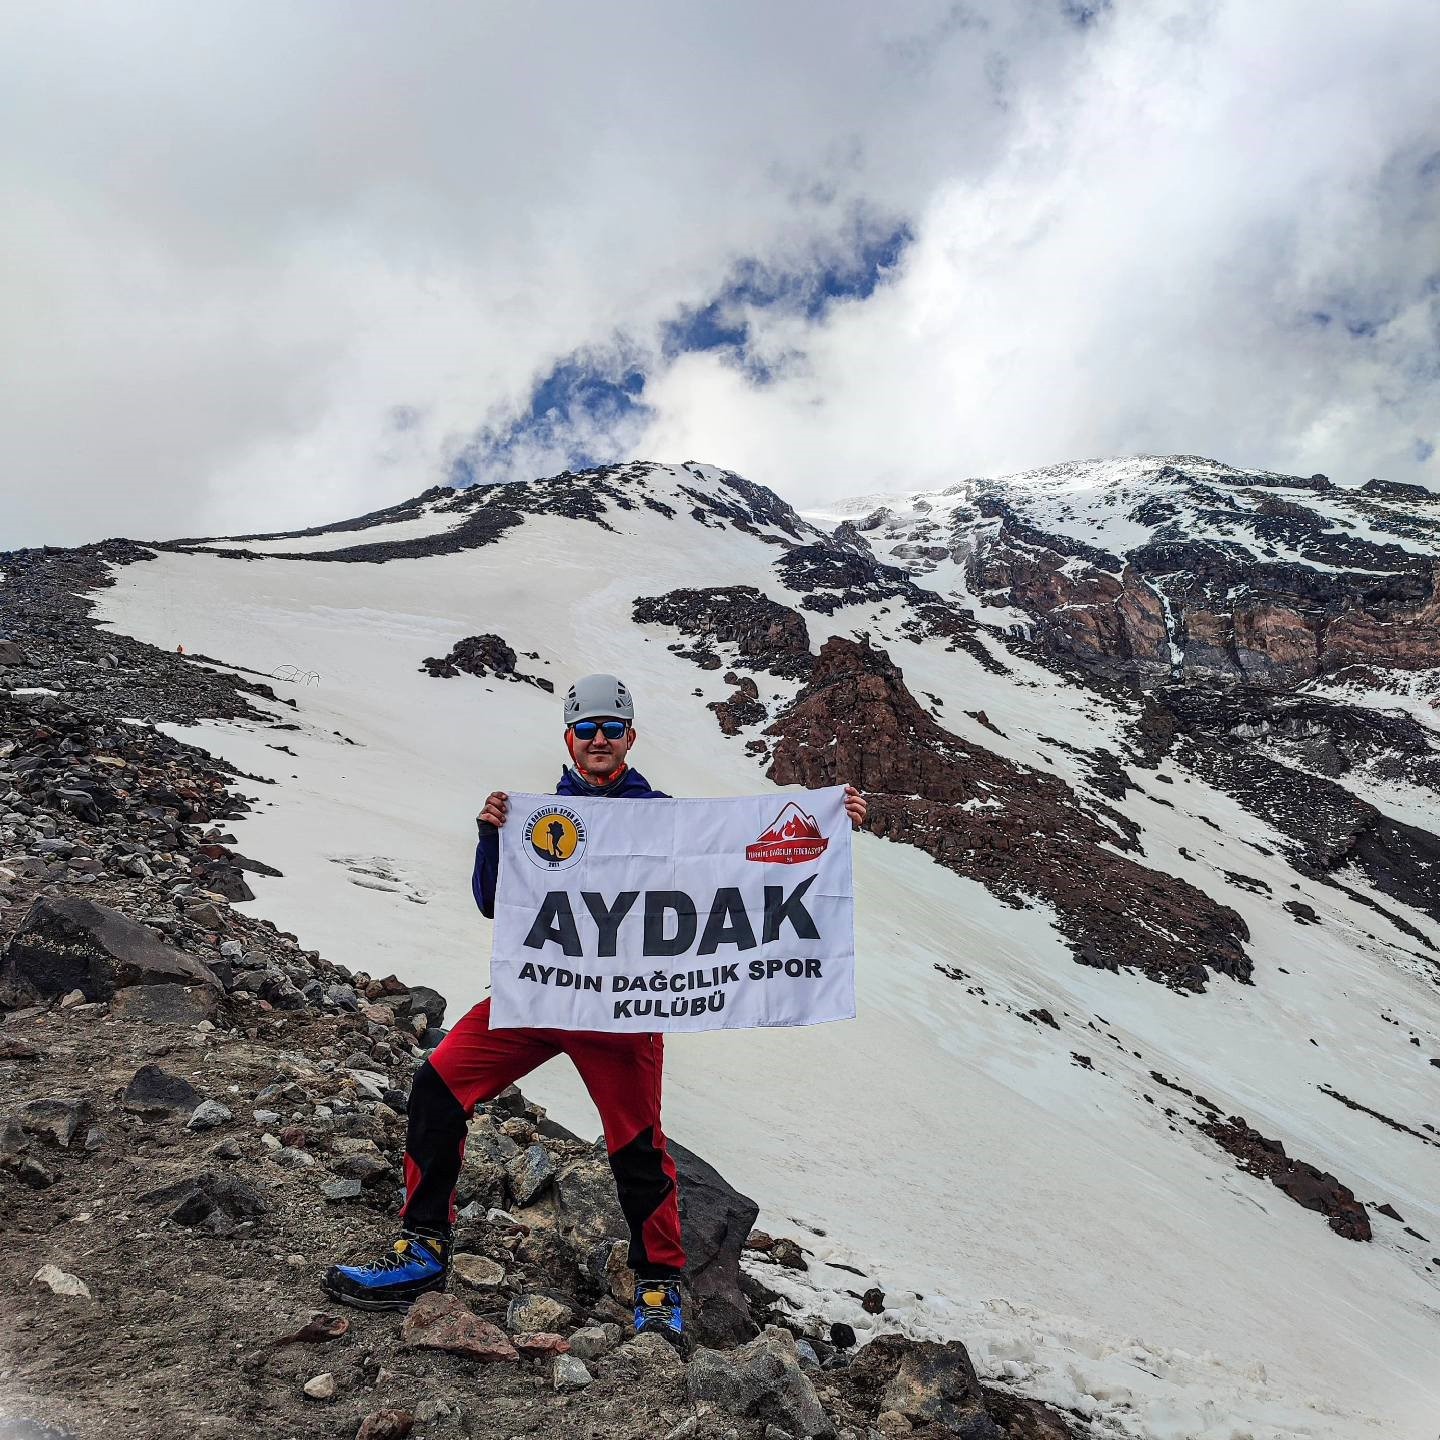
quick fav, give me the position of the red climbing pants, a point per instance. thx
(622, 1072)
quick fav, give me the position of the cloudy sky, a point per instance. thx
(266, 264)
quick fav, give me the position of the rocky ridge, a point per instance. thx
(1025, 835)
(1240, 608)
(1176, 563)
(483, 513)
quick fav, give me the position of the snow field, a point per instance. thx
(1048, 1214)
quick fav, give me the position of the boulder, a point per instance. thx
(55, 1118)
(208, 1115)
(166, 1004)
(760, 1380)
(208, 1199)
(479, 1271)
(594, 1341)
(154, 1091)
(535, 1312)
(928, 1383)
(321, 1387)
(369, 1170)
(386, 1425)
(788, 1253)
(65, 944)
(715, 1221)
(609, 1263)
(12, 654)
(535, 1343)
(530, 1172)
(437, 1321)
(647, 1357)
(61, 1282)
(14, 1159)
(587, 1209)
(570, 1373)
(422, 1000)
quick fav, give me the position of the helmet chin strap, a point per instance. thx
(609, 778)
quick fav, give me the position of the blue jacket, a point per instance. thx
(632, 785)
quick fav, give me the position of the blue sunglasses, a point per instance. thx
(610, 729)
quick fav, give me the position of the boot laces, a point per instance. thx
(399, 1256)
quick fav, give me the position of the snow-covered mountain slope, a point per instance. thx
(1156, 564)
(1120, 506)
(1037, 1147)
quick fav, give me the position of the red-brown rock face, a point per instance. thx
(1272, 622)
(1026, 835)
(1085, 611)
(1407, 641)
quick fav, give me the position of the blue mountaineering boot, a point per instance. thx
(415, 1264)
(658, 1312)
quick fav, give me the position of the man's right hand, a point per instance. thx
(497, 806)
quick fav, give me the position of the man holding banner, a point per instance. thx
(613, 923)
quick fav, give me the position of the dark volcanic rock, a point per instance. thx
(484, 513)
(856, 721)
(208, 1197)
(1255, 746)
(928, 1383)
(715, 1220)
(831, 576)
(761, 1379)
(756, 633)
(1302, 1182)
(165, 1004)
(490, 520)
(69, 944)
(56, 1118)
(737, 712)
(154, 1092)
(482, 655)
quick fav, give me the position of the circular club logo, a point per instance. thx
(555, 837)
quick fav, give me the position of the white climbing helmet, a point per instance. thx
(593, 697)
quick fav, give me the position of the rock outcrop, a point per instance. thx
(1020, 833)
(1305, 1184)
(484, 656)
(1243, 582)
(65, 943)
(734, 625)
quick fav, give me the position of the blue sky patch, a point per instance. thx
(581, 398)
(722, 323)
(590, 406)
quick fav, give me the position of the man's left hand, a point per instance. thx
(855, 806)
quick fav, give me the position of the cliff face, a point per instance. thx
(1182, 566)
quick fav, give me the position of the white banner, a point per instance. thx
(646, 915)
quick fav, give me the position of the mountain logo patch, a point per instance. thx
(554, 837)
(792, 838)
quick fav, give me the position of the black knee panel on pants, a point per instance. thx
(434, 1145)
(642, 1184)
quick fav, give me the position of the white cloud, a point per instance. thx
(1142, 270)
(236, 237)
